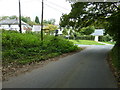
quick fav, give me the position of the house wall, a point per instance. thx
(6, 27)
(36, 28)
(13, 27)
(96, 38)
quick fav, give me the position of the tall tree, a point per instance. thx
(51, 21)
(37, 20)
(50, 28)
(28, 20)
(84, 14)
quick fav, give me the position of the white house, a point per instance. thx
(13, 24)
(36, 28)
(97, 33)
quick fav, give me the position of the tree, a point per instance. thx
(28, 20)
(51, 21)
(8, 17)
(50, 28)
(37, 20)
(13, 17)
(84, 14)
(87, 30)
(105, 13)
(65, 31)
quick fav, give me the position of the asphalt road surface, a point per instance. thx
(85, 69)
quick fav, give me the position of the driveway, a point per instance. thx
(85, 69)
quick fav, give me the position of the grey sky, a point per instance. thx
(32, 8)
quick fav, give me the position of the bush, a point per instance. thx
(115, 54)
(83, 37)
(28, 47)
(104, 38)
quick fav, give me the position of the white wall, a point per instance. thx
(6, 27)
(12, 27)
(36, 28)
(96, 38)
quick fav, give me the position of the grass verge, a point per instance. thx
(113, 43)
(85, 42)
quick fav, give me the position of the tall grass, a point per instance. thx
(28, 47)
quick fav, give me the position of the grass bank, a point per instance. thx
(115, 61)
(85, 42)
(21, 49)
(113, 43)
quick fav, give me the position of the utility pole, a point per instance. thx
(20, 29)
(42, 21)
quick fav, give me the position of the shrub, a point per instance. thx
(104, 38)
(28, 47)
(83, 37)
(115, 54)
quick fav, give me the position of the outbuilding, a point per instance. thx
(97, 33)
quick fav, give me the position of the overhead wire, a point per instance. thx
(46, 3)
(53, 8)
(57, 5)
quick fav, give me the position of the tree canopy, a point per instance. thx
(50, 28)
(83, 14)
(50, 21)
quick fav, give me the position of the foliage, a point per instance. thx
(115, 54)
(107, 14)
(85, 37)
(27, 48)
(105, 38)
(23, 18)
(8, 17)
(51, 21)
(50, 28)
(87, 30)
(37, 20)
(96, 12)
(28, 20)
(113, 27)
(65, 31)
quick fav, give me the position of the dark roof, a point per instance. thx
(11, 22)
(98, 32)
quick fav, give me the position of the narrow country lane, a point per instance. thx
(85, 69)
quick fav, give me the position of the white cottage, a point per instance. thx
(13, 24)
(97, 33)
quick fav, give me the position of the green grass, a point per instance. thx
(85, 42)
(109, 43)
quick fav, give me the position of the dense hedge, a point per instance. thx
(105, 38)
(90, 37)
(27, 47)
(82, 37)
(115, 54)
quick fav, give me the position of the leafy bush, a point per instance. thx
(115, 54)
(83, 37)
(28, 47)
(105, 38)
(87, 30)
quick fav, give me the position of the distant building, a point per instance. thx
(97, 33)
(13, 24)
(36, 28)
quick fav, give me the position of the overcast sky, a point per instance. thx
(32, 8)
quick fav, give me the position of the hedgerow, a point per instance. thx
(28, 47)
